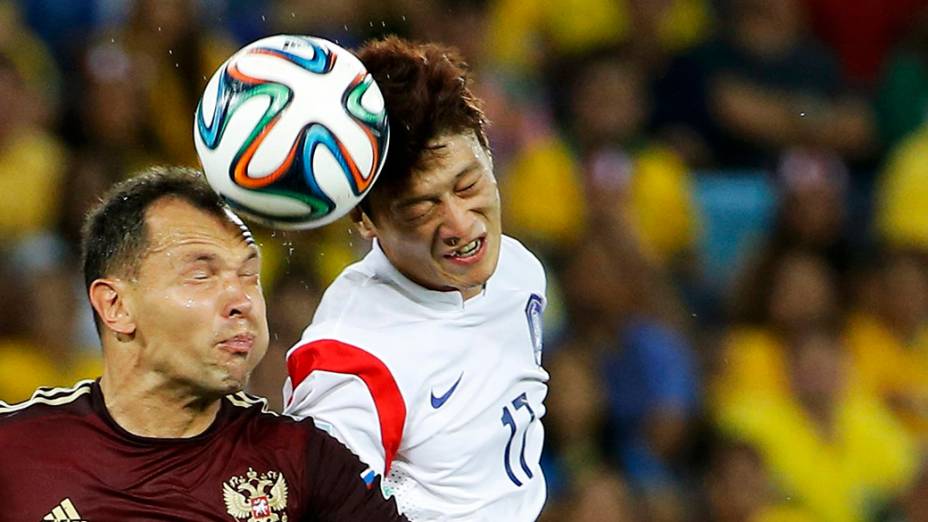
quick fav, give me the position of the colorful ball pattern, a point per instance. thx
(292, 131)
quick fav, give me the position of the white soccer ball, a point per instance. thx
(292, 131)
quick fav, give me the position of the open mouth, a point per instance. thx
(468, 250)
(468, 253)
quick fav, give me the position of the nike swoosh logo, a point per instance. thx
(437, 402)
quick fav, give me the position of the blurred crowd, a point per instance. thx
(730, 198)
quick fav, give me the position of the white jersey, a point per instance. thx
(443, 395)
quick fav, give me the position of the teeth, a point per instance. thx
(468, 249)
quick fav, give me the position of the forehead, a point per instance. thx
(174, 223)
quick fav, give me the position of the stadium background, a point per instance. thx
(730, 196)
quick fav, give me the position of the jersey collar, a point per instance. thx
(447, 300)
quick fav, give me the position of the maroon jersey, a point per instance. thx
(63, 458)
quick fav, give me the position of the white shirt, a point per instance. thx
(444, 395)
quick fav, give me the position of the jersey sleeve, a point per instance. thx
(341, 488)
(349, 393)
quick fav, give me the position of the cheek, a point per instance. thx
(176, 313)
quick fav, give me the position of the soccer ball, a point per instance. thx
(292, 131)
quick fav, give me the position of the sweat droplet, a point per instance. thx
(188, 304)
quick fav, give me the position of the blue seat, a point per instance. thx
(737, 210)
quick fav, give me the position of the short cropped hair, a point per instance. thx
(426, 90)
(114, 236)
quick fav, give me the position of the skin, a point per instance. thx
(187, 327)
(450, 202)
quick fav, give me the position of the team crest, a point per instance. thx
(257, 498)
(533, 312)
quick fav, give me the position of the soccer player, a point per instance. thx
(424, 358)
(166, 433)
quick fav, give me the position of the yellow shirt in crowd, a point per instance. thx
(891, 369)
(869, 458)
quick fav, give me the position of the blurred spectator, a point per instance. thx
(738, 488)
(889, 342)
(830, 447)
(524, 34)
(902, 98)
(861, 32)
(109, 129)
(757, 88)
(600, 497)
(32, 160)
(795, 290)
(35, 63)
(812, 216)
(622, 311)
(54, 345)
(173, 56)
(613, 172)
(575, 421)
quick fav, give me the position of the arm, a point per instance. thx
(349, 393)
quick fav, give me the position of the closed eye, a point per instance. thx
(417, 211)
(469, 186)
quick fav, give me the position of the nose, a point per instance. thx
(236, 301)
(457, 225)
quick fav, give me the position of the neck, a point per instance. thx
(146, 406)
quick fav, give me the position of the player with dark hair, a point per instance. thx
(166, 433)
(425, 357)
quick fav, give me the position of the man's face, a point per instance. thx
(196, 300)
(443, 231)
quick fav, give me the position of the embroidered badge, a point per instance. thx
(257, 498)
(533, 312)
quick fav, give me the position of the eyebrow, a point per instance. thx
(209, 257)
(465, 170)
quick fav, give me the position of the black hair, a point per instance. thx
(426, 88)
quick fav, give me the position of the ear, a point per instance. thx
(108, 298)
(363, 223)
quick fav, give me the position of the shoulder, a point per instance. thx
(361, 294)
(274, 428)
(46, 404)
(519, 267)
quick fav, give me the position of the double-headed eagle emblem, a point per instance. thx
(247, 498)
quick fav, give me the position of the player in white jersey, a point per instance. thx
(425, 357)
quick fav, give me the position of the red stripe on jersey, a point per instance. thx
(335, 356)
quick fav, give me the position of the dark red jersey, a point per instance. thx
(63, 458)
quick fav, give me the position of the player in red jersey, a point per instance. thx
(166, 433)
